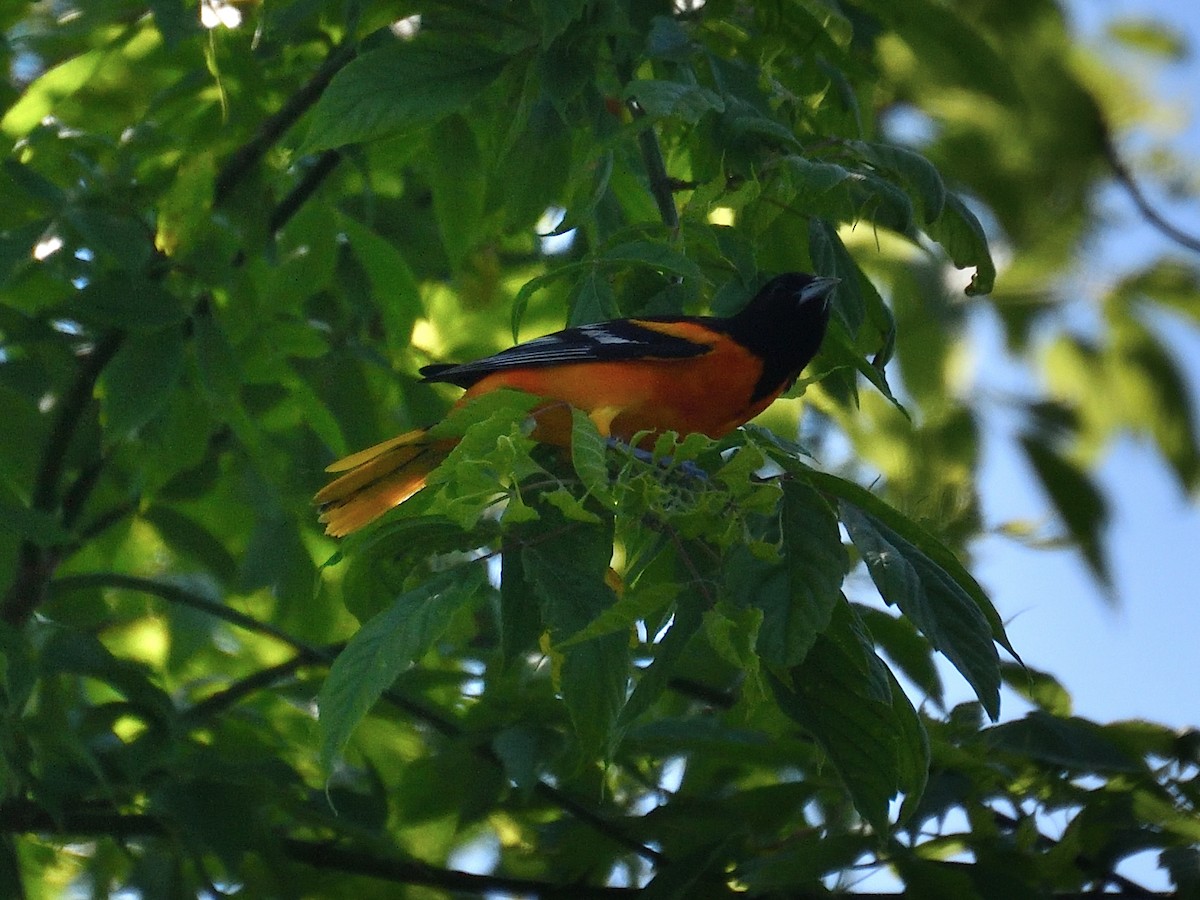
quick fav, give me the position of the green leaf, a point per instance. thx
(593, 300)
(927, 594)
(589, 457)
(397, 88)
(131, 302)
(567, 573)
(1038, 687)
(1077, 744)
(963, 238)
(667, 652)
(520, 614)
(456, 177)
(906, 647)
(55, 84)
(140, 379)
(1076, 499)
(914, 170)
(390, 276)
(803, 860)
(913, 533)
(812, 178)
(184, 208)
(839, 348)
(534, 171)
(185, 535)
(816, 563)
(663, 99)
(383, 648)
(848, 700)
(532, 286)
(1153, 393)
(830, 258)
(41, 528)
(658, 257)
(556, 16)
(218, 365)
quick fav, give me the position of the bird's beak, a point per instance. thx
(819, 288)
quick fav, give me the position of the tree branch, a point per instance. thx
(274, 127)
(36, 564)
(305, 188)
(308, 654)
(661, 185)
(1129, 888)
(21, 816)
(324, 855)
(1125, 178)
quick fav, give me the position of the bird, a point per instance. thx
(635, 378)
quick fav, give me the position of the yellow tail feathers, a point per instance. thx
(377, 479)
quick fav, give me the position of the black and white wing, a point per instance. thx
(621, 339)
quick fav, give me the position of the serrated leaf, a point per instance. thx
(912, 532)
(797, 593)
(848, 700)
(589, 457)
(397, 88)
(906, 647)
(927, 594)
(814, 557)
(383, 648)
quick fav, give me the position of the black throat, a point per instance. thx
(783, 325)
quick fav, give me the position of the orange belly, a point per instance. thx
(709, 394)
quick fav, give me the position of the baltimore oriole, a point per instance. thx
(652, 374)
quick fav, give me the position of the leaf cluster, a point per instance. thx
(224, 254)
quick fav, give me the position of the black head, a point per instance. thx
(784, 323)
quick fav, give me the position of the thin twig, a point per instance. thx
(1125, 178)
